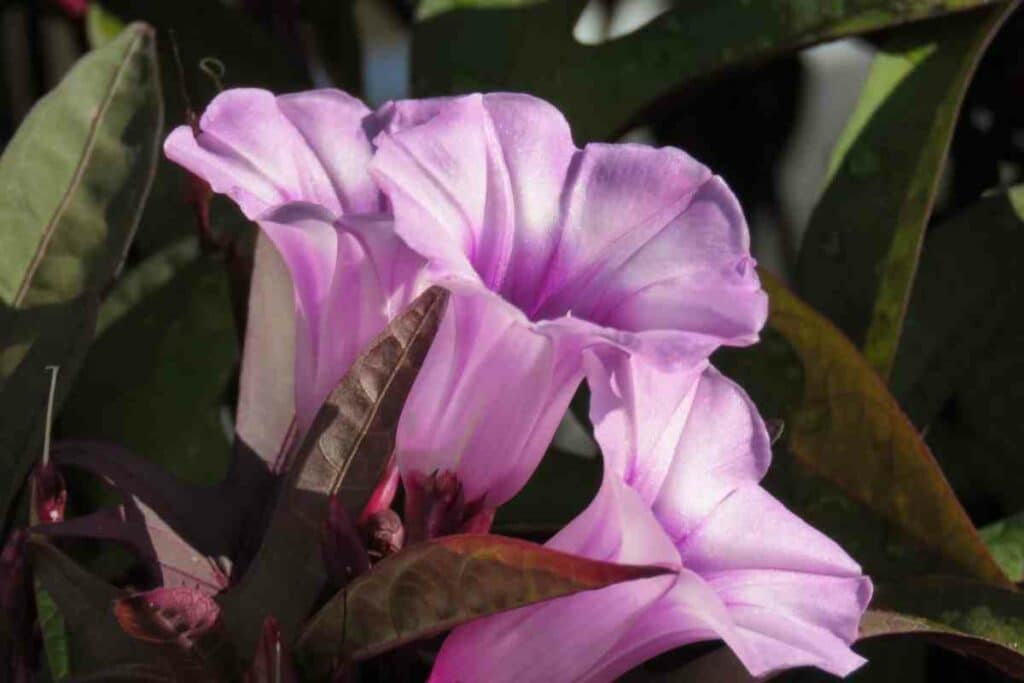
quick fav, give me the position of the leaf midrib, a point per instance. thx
(76, 178)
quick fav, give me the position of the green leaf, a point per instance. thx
(974, 619)
(156, 377)
(1005, 539)
(101, 26)
(959, 371)
(344, 454)
(73, 182)
(435, 585)
(853, 464)
(54, 634)
(602, 88)
(858, 266)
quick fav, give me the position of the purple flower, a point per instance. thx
(549, 251)
(683, 461)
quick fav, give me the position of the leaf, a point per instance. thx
(602, 88)
(433, 586)
(273, 662)
(172, 560)
(959, 371)
(155, 379)
(343, 454)
(206, 515)
(15, 615)
(85, 601)
(100, 25)
(1005, 540)
(858, 267)
(854, 465)
(54, 636)
(965, 616)
(74, 180)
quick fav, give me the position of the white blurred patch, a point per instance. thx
(386, 52)
(596, 24)
(834, 76)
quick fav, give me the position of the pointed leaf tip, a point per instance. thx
(436, 585)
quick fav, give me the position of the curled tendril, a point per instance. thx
(215, 69)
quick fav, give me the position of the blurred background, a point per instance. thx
(768, 129)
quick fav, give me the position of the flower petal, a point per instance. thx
(723, 446)
(794, 593)
(561, 639)
(351, 276)
(799, 606)
(488, 398)
(263, 150)
(683, 438)
(750, 529)
(475, 183)
(639, 412)
(791, 619)
(306, 239)
(651, 241)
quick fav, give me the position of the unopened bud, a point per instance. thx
(384, 534)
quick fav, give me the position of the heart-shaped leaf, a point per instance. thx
(344, 454)
(73, 182)
(853, 463)
(857, 267)
(528, 46)
(435, 585)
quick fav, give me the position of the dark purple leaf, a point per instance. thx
(206, 516)
(174, 562)
(344, 454)
(436, 585)
(85, 602)
(343, 548)
(15, 612)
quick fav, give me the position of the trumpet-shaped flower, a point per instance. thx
(683, 461)
(548, 249)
